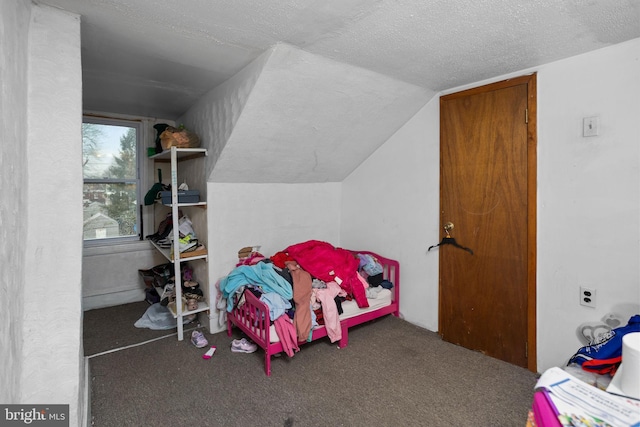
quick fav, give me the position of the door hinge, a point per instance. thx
(526, 115)
(526, 350)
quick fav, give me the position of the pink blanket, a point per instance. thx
(327, 263)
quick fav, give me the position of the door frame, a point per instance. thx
(532, 141)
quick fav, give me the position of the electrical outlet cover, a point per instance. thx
(587, 297)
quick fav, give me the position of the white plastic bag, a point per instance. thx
(157, 317)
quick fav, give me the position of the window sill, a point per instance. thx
(123, 247)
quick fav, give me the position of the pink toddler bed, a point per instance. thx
(253, 317)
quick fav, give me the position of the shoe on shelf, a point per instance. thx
(187, 243)
(168, 295)
(192, 304)
(185, 226)
(198, 339)
(243, 346)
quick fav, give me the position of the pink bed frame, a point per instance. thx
(252, 317)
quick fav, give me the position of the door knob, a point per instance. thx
(448, 227)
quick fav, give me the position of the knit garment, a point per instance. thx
(302, 299)
(287, 334)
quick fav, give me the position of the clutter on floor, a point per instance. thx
(243, 346)
(162, 277)
(599, 385)
(198, 339)
(209, 353)
(158, 317)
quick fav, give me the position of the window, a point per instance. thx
(111, 190)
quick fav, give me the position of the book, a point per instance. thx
(545, 413)
(577, 403)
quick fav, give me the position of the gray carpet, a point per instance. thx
(391, 374)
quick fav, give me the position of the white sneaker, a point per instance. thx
(186, 227)
(243, 346)
(198, 339)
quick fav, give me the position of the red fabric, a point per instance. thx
(280, 259)
(602, 366)
(325, 262)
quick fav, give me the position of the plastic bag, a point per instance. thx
(158, 317)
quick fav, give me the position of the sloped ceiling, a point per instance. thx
(354, 71)
(157, 57)
(310, 119)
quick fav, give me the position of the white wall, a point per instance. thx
(390, 206)
(588, 194)
(214, 116)
(14, 62)
(110, 274)
(588, 199)
(274, 216)
(40, 214)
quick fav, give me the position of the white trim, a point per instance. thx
(86, 397)
(112, 299)
(133, 246)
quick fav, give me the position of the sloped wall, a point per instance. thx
(309, 119)
(282, 136)
(215, 115)
(390, 205)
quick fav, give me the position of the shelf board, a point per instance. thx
(202, 306)
(184, 256)
(199, 204)
(181, 154)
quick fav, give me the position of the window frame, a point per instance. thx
(139, 181)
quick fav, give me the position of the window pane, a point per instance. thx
(108, 151)
(110, 210)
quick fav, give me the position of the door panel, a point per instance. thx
(485, 192)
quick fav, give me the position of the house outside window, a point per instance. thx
(111, 171)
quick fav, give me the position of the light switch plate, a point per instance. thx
(590, 126)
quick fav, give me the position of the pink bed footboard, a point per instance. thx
(253, 319)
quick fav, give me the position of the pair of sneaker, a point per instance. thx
(198, 339)
(243, 346)
(187, 236)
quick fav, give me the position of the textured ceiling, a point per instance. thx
(157, 57)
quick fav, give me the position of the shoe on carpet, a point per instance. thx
(198, 339)
(243, 346)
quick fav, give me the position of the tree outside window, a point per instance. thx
(111, 185)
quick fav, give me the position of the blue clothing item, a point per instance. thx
(261, 275)
(386, 284)
(608, 348)
(369, 264)
(277, 305)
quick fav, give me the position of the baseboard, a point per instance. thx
(86, 413)
(112, 299)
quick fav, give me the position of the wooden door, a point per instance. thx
(487, 190)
